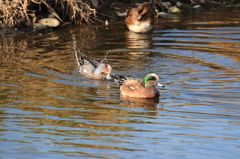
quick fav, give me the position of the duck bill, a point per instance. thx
(139, 17)
(108, 77)
(161, 85)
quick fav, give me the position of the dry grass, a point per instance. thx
(14, 12)
(17, 13)
(21, 13)
(77, 11)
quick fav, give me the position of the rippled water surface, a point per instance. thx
(49, 110)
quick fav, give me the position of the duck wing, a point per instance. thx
(120, 80)
(85, 60)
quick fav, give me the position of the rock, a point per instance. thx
(106, 23)
(174, 10)
(124, 14)
(196, 6)
(167, 15)
(95, 3)
(179, 4)
(212, 9)
(137, 4)
(49, 22)
(39, 27)
(166, 4)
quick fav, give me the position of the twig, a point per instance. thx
(52, 11)
(193, 1)
(97, 19)
(106, 15)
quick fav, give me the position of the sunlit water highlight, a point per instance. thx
(49, 110)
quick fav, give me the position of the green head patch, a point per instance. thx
(147, 79)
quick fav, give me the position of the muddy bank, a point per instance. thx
(40, 15)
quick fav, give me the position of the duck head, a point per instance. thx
(106, 71)
(151, 80)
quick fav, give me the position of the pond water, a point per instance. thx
(49, 110)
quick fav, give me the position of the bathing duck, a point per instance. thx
(141, 20)
(92, 69)
(139, 88)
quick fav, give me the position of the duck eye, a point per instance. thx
(153, 78)
(103, 73)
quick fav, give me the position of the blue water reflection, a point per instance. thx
(49, 110)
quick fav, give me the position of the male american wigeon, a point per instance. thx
(139, 88)
(141, 20)
(92, 69)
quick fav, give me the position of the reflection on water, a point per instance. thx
(138, 41)
(49, 110)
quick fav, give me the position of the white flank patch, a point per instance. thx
(142, 28)
(132, 87)
(84, 70)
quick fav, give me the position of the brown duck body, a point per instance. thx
(133, 88)
(141, 20)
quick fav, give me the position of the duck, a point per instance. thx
(139, 88)
(141, 20)
(93, 69)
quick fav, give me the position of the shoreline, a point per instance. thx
(94, 12)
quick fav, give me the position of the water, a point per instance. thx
(49, 110)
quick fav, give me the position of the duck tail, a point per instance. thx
(119, 79)
(84, 59)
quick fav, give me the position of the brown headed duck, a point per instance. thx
(141, 20)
